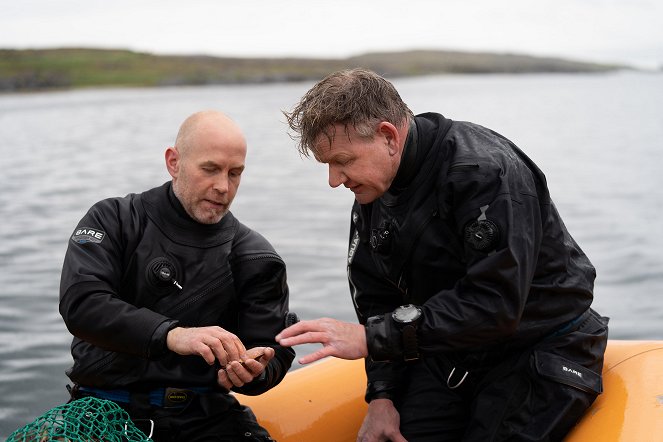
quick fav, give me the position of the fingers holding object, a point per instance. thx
(236, 374)
(211, 343)
(226, 347)
(239, 373)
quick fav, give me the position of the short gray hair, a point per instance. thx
(357, 97)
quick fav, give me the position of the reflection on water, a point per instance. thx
(597, 138)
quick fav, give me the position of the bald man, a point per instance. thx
(172, 302)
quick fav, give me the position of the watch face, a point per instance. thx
(406, 313)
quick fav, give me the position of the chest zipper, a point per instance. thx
(402, 284)
(223, 281)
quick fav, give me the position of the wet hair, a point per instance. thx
(356, 98)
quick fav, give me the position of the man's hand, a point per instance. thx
(381, 423)
(238, 373)
(211, 343)
(340, 339)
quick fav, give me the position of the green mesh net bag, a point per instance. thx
(86, 419)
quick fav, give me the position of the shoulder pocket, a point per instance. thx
(558, 369)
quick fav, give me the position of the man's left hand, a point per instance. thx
(237, 374)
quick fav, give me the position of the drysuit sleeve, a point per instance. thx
(263, 303)
(90, 302)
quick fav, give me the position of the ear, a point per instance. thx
(391, 136)
(172, 161)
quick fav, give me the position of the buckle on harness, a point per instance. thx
(149, 436)
(458, 384)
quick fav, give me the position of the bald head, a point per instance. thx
(206, 164)
(204, 124)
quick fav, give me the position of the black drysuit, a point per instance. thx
(138, 266)
(468, 232)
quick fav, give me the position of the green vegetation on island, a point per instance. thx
(38, 69)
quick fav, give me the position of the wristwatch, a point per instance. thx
(407, 317)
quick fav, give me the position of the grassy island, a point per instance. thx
(39, 69)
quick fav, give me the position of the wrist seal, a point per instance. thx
(393, 336)
(379, 390)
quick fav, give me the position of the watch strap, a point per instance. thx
(410, 343)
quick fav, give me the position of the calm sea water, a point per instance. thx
(597, 138)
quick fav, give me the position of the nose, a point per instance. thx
(336, 176)
(221, 183)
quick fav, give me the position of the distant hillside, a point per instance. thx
(73, 67)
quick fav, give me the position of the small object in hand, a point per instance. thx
(256, 358)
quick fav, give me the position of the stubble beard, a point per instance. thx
(197, 213)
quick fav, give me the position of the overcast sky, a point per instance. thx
(622, 31)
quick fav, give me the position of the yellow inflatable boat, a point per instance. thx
(324, 402)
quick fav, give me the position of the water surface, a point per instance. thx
(597, 138)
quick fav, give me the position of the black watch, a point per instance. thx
(407, 317)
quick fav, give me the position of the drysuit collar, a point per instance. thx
(409, 161)
(175, 202)
(166, 211)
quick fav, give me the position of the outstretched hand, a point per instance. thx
(340, 339)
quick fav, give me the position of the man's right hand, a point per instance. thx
(338, 338)
(211, 343)
(381, 423)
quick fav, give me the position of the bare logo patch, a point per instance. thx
(84, 235)
(353, 246)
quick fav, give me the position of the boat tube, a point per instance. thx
(324, 402)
